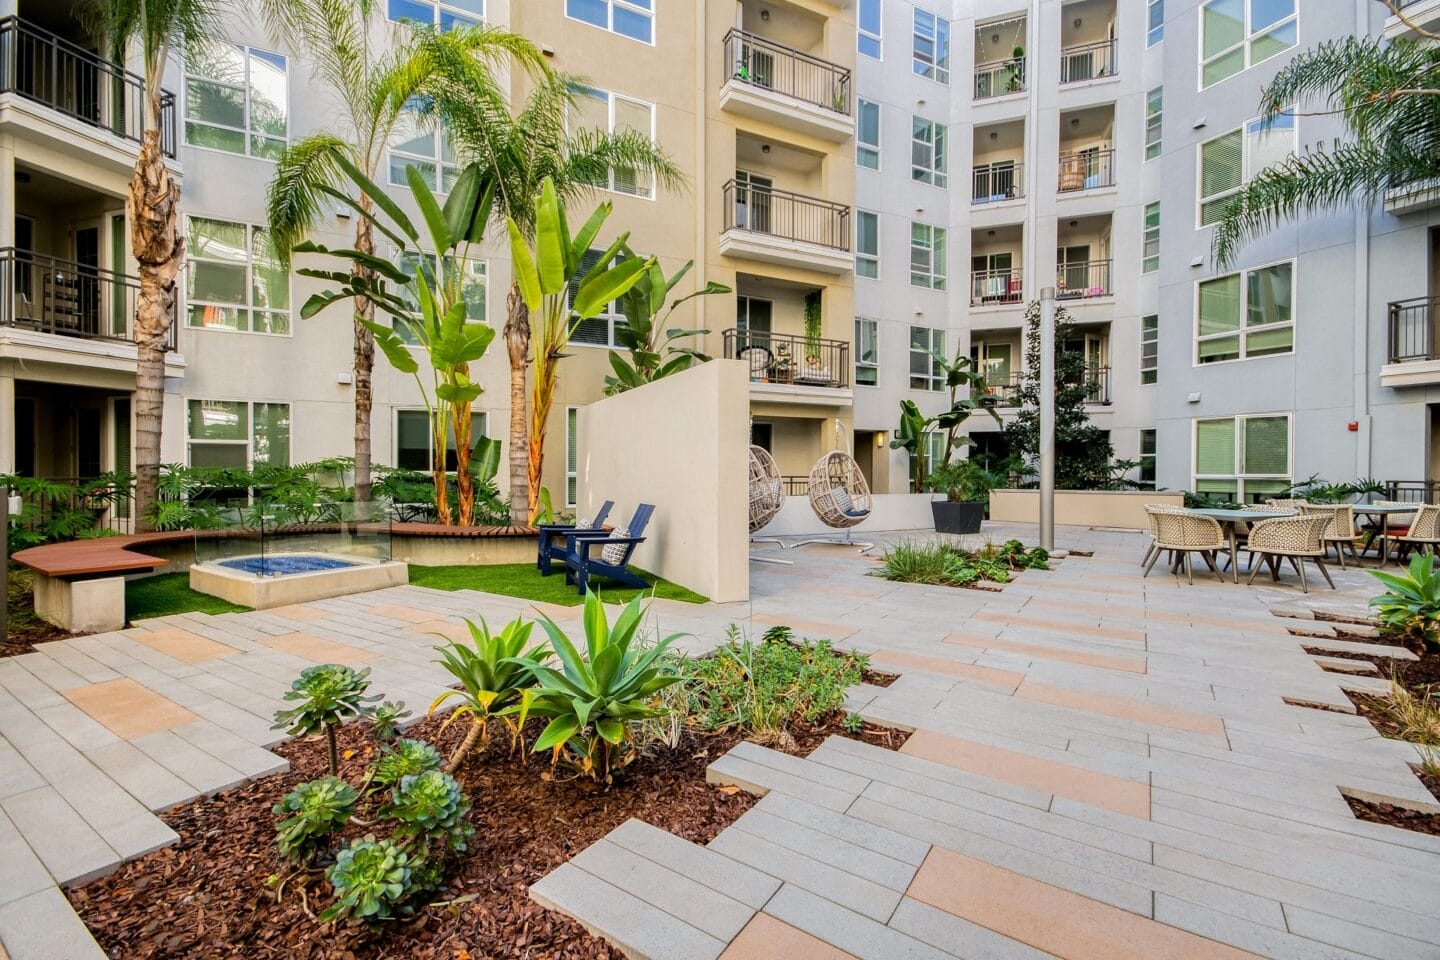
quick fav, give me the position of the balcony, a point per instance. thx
(786, 368)
(1088, 61)
(1005, 387)
(999, 78)
(1086, 170)
(997, 182)
(778, 84)
(1413, 356)
(776, 226)
(993, 288)
(39, 67)
(1083, 280)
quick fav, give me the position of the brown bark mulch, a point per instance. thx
(1406, 818)
(206, 896)
(23, 628)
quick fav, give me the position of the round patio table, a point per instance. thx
(1382, 514)
(1228, 519)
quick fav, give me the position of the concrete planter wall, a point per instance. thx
(888, 511)
(1082, 508)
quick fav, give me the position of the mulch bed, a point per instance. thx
(1403, 817)
(206, 896)
(879, 679)
(24, 629)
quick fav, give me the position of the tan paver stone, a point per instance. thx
(848, 590)
(1049, 918)
(1062, 626)
(1121, 709)
(183, 645)
(557, 611)
(128, 709)
(1062, 779)
(969, 671)
(766, 938)
(446, 629)
(1041, 652)
(806, 627)
(393, 611)
(309, 647)
(299, 611)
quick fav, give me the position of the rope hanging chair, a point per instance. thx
(839, 496)
(767, 492)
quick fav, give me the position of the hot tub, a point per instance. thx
(277, 579)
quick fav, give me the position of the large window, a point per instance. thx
(867, 34)
(931, 49)
(1246, 314)
(927, 256)
(1237, 34)
(1154, 102)
(426, 147)
(1155, 22)
(236, 100)
(572, 455)
(1149, 349)
(867, 135)
(1231, 159)
(927, 346)
(927, 152)
(629, 18)
(237, 434)
(599, 330)
(413, 447)
(1147, 458)
(447, 14)
(1243, 459)
(867, 352)
(867, 244)
(236, 280)
(612, 113)
(474, 289)
(1150, 239)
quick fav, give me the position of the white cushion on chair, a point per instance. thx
(841, 496)
(584, 523)
(614, 553)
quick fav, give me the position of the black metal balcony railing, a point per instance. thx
(1087, 170)
(796, 486)
(1097, 384)
(764, 63)
(41, 66)
(994, 182)
(787, 358)
(1411, 491)
(1005, 387)
(1088, 61)
(999, 77)
(1413, 326)
(1083, 279)
(791, 216)
(66, 298)
(990, 287)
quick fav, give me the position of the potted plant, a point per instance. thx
(966, 484)
(812, 327)
(1015, 71)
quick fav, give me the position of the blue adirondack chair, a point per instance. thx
(583, 554)
(552, 545)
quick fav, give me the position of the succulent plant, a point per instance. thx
(493, 678)
(387, 719)
(317, 811)
(404, 758)
(329, 695)
(427, 807)
(372, 881)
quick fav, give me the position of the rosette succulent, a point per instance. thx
(404, 758)
(329, 695)
(372, 881)
(314, 812)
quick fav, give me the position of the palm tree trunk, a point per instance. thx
(517, 344)
(477, 727)
(159, 248)
(364, 362)
(464, 482)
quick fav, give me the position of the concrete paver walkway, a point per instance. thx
(1103, 766)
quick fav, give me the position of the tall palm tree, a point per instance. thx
(376, 70)
(1387, 93)
(158, 28)
(524, 149)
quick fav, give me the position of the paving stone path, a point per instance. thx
(1103, 766)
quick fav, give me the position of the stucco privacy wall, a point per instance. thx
(680, 443)
(1081, 508)
(888, 511)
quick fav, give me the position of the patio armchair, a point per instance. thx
(1294, 538)
(1378, 528)
(608, 556)
(1292, 503)
(1339, 528)
(1424, 532)
(1242, 529)
(1185, 533)
(551, 536)
(1151, 509)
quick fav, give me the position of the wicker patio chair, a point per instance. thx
(1151, 509)
(1242, 529)
(1424, 532)
(1294, 538)
(839, 496)
(767, 491)
(1292, 502)
(1186, 533)
(1377, 528)
(1339, 527)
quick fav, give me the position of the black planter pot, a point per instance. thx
(963, 517)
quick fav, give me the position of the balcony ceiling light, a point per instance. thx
(764, 148)
(994, 135)
(764, 14)
(1076, 24)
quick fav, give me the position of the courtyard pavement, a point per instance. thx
(1103, 766)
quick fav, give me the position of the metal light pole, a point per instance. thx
(1047, 418)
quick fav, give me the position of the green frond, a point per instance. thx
(294, 201)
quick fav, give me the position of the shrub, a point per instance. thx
(372, 880)
(403, 758)
(917, 563)
(1416, 716)
(329, 695)
(1411, 607)
(318, 810)
(943, 563)
(493, 675)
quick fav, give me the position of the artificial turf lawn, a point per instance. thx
(169, 594)
(524, 581)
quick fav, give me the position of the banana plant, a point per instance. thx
(651, 357)
(960, 374)
(491, 680)
(543, 276)
(433, 311)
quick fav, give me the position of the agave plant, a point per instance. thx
(317, 811)
(372, 881)
(1411, 608)
(330, 694)
(593, 699)
(492, 674)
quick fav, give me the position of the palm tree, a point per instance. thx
(376, 70)
(524, 149)
(1387, 93)
(157, 28)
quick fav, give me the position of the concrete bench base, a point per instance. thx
(81, 606)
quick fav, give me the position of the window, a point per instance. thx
(424, 147)
(867, 36)
(612, 113)
(927, 256)
(927, 152)
(867, 135)
(448, 14)
(752, 318)
(927, 346)
(931, 49)
(1233, 158)
(1150, 239)
(1244, 459)
(237, 434)
(1149, 349)
(1246, 314)
(1153, 102)
(629, 18)
(1155, 24)
(236, 280)
(474, 290)
(572, 455)
(1147, 458)
(413, 448)
(1237, 34)
(867, 352)
(599, 330)
(236, 100)
(867, 244)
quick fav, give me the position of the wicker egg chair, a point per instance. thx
(839, 496)
(767, 496)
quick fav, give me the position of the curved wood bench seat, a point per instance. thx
(76, 559)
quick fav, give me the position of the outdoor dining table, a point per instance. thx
(1228, 519)
(1382, 514)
